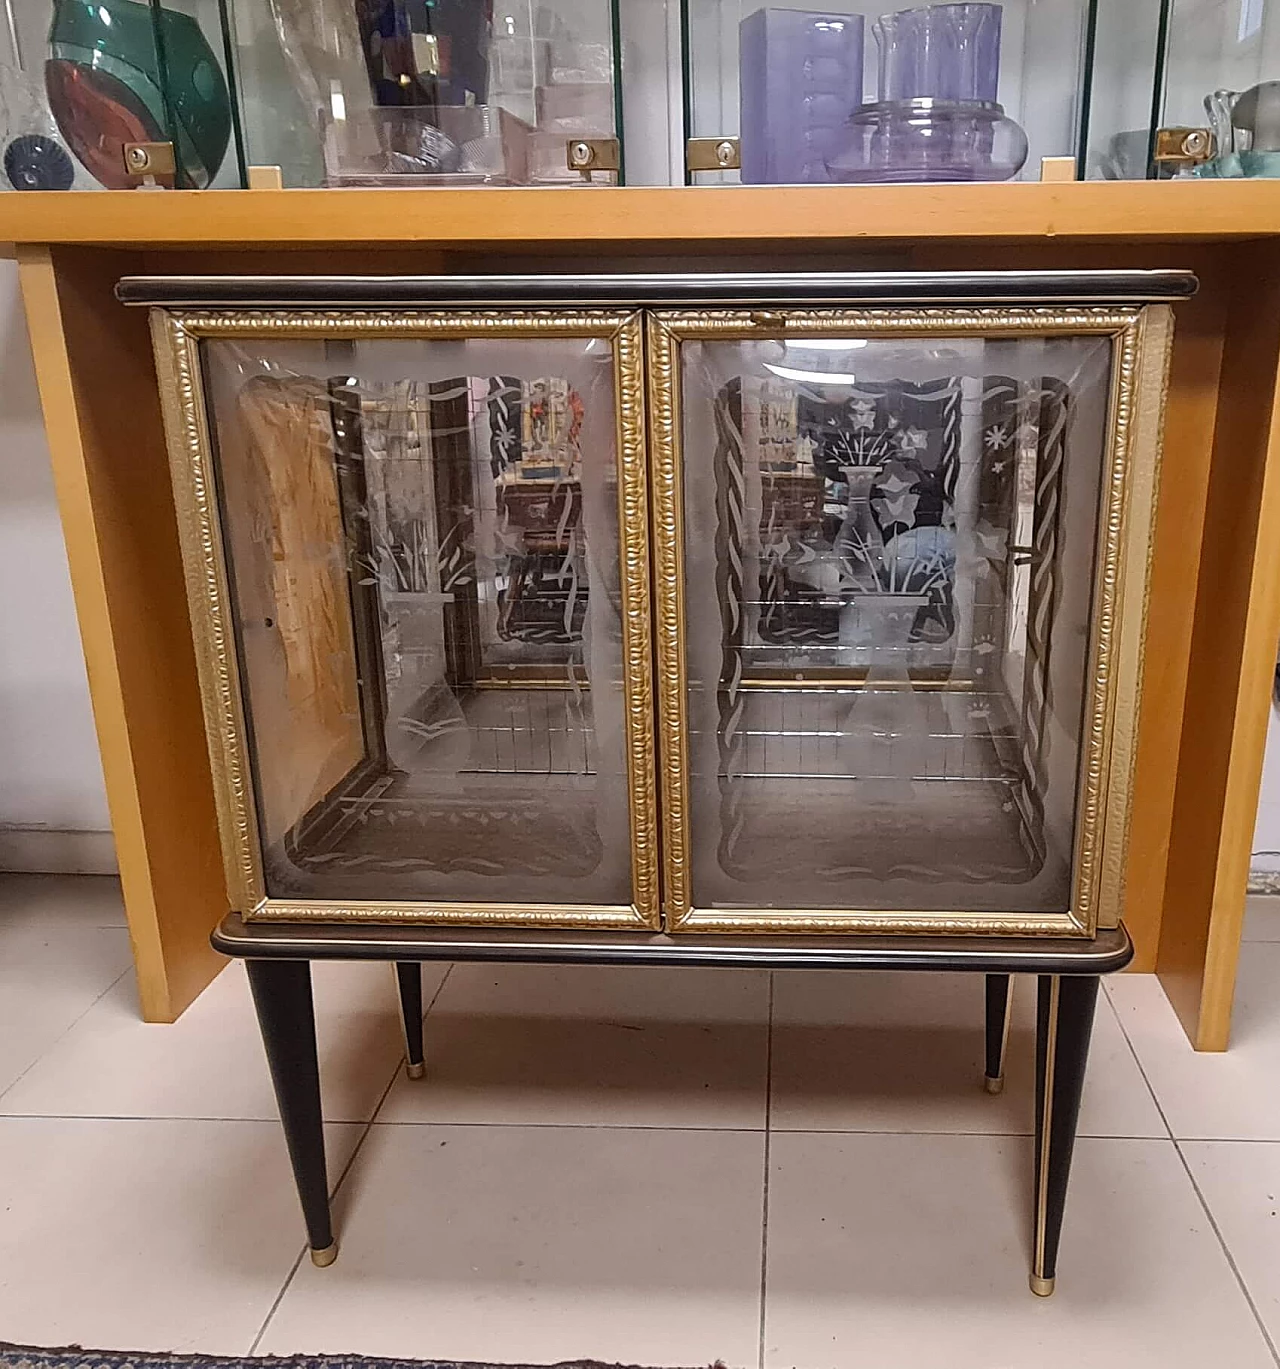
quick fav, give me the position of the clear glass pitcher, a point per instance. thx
(1247, 126)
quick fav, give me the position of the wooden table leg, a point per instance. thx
(999, 1006)
(286, 1016)
(1065, 1005)
(409, 975)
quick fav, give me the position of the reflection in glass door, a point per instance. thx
(883, 619)
(442, 621)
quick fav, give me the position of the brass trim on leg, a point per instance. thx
(1040, 1285)
(995, 1083)
(322, 1259)
(415, 1071)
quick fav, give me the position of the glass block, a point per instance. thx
(888, 549)
(80, 80)
(857, 92)
(423, 549)
(425, 92)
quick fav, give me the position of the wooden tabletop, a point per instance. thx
(1083, 211)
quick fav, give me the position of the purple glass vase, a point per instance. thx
(800, 76)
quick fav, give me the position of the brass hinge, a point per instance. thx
(151, 164)
(1184, 146)
(712, 154)
(592, 154)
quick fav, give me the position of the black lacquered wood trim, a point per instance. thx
(1107, 952)
(693, 289)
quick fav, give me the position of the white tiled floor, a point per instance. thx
(659, 1168)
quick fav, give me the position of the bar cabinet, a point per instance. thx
(793, 620)
(898, 527)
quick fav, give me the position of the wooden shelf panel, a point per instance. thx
(1082, 211)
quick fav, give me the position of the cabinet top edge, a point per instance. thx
(692, 289)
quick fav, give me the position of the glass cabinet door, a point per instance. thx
(435, 560)
(1222, 71)
(887, 578)
(862, 92)
(429, 92)
(1206, 72)
(80, 80)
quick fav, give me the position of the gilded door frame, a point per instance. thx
(1141, 338)
(177, 334)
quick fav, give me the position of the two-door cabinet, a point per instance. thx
(793, 620)
(790, 603)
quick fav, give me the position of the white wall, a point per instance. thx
(1266, 833)
(51, 791)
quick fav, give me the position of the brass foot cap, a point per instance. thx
(995, 1085)
(1042, 1288)
(415, 1071)
(322, 1259)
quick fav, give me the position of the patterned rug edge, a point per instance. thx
(77, 1357)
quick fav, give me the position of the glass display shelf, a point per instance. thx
(859, 93)
(82, 82)
(1186, 88)
(430, 92)
(332, 92)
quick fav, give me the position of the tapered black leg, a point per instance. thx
(999, 1003)
(409, 973)
(1065, 1006)
(282, 997)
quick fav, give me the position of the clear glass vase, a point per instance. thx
(937, 117)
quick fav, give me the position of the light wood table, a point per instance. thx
(1215, 604)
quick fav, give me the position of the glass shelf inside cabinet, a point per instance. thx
(861, 92)
(423, 542)
(888, 554)
(80, 81)
(430, 92)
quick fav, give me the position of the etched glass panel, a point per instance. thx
(424, 554)
(888, 554)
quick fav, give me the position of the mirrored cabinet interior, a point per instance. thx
(886, 587)
(439, 610)
(624, 601)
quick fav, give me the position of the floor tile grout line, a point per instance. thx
(271, 1311)
(764, 1202)
(333, 1193)
(69, 1027)
(614, 1126)
(1196, 1189)
(346, 1169)
(1226, 1250)
(1137, 1060)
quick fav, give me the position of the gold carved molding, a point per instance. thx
(177, 335)
(1139, 375)
(653, 626)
